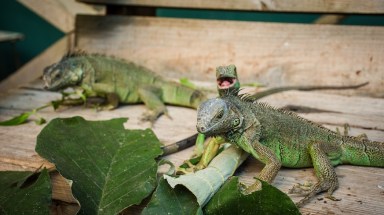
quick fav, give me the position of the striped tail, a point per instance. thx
(363, 152)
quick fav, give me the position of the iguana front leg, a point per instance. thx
(205, 150)
(266, 156)
(210, 152)
(151, 96)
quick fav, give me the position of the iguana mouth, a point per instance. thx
(225, 82)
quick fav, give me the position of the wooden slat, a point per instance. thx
(60, 13)
(327, 6)
(273, 54)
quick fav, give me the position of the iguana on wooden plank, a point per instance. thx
(281, 138)
(228, 83)
(120, 82)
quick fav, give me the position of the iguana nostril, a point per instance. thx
(202, 128)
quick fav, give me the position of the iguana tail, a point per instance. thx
(362, 152)
(275, 90)
(176, 94)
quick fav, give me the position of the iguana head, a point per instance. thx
(66, 73)
(218, 116)
(226, 78)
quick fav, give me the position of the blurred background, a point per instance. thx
(32, 34)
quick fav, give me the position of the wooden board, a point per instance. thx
(60, 13)
(271, 54)
(365, 115)
(327, 6)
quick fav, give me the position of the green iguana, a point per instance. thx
(120, 82)
(228, 83)
(281, 138)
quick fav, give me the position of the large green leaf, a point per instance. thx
(167, 200)
(25, 193)
(230, 200)
(111, 168)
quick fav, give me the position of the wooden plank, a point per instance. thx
(18, 143)
(327, 6)
(271, 54)
(60, 13)
(366, 116)
(34, 68)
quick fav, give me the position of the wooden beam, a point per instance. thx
(271, 54)
(320, 6)
(60, 13)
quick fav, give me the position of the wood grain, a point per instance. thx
(326, 6)
(271, 54)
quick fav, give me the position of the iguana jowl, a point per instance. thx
(281, 138)
(120, 82)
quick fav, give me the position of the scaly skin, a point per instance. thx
(281, 138)
(120, 82)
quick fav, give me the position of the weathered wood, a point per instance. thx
(327, 6)
(273, 54)
(18, 143)
(60, 13)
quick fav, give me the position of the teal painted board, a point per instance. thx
(351, 19)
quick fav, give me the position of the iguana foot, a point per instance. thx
(252, 188)
(301, 189)
(150, 116)
(309, 191)
(362, 137)
(104, 107)
(191, 167)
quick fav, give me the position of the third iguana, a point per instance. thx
(281, 138)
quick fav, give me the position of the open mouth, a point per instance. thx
(225, 82)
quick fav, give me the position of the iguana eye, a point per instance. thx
(236, 122)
